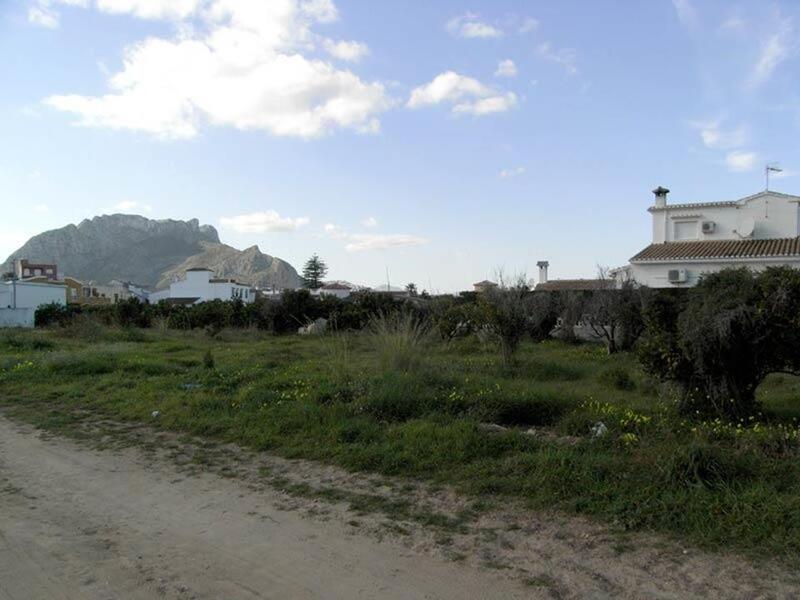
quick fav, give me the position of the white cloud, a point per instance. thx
(715, 137)
(468, 95)
(348, 51)
(733, 24)
(506, 68)
(41, 209)
(739, 161)
(262, 222)
(775, 49)
(244, 70)
(132, 205)
(43, 13)
(566, 57)
(360, 242)
(528, 24)
(469, 25)
(687, 15)
(151, 9)
(43, 17)
(509, 173)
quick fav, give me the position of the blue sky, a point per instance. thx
(439, 140)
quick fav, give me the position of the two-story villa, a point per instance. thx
(689, 240)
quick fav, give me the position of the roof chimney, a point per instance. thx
(542, 264)
(661, 196)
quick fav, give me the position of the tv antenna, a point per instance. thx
(771, 168)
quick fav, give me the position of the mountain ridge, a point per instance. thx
(149, 252)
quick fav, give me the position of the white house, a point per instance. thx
(20, 299)
(198, 286)
(690, 240)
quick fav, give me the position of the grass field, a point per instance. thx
(405, 405)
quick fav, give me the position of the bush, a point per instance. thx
(49, 315)
(399, 340)
(618, 378)
(733, 330)
(705, 465)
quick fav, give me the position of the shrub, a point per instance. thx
(54, 314)
(734, 329)
(706, 465)
(618, 378)
(400, 340)
(208, 360)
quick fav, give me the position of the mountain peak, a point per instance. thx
(135, 248)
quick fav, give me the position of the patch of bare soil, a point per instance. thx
(129, 512)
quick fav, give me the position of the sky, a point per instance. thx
(430, 142)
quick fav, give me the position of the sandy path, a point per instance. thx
(171, 518)
(76, 523)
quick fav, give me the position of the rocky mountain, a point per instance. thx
(149, 252)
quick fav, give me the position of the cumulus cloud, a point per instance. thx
(360, 242)
(244, 68)
(739, 161)
(469, 25)
(716, 137)
(467, 95)
(509, 173)
(565, 57)
(506, 68)
(262, 222)
(369, 222)
(348, 51)
(41, 208)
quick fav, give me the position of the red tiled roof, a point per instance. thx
(720, 249)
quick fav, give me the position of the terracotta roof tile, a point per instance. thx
(720, 249)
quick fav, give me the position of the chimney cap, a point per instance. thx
(542, 264)
(661, 191)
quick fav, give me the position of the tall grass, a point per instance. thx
(400, 340)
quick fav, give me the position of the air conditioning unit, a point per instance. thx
(709, 226)
(677, 276)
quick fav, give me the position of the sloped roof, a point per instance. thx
(738, 202)
(335, 286)
(572, 285)
(485, 283)
(720, 249)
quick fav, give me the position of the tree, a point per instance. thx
(614, 314)
(507, 312)
(721, 341)
(411, 289)
(314, 272)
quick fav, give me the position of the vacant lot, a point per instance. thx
(447, 414)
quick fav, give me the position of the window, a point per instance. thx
(685, 230)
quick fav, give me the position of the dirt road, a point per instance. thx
(80, 523)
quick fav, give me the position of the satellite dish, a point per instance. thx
(746, 227)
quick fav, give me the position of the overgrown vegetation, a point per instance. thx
(398, 399)
(720, 341)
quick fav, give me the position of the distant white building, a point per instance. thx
(20, 299)
(199, 285)
(339, 289)
(690, 240)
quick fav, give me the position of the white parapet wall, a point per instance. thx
(17, 317)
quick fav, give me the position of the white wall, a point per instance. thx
(198, 284)
(21, 317)
(775, 217)
(32, 295)
(655, 275)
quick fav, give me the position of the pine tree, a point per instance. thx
(314, 272)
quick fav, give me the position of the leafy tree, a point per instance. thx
(614, 314)
(411, 289)
(314, 272)
(718, 345)
(507, 313)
